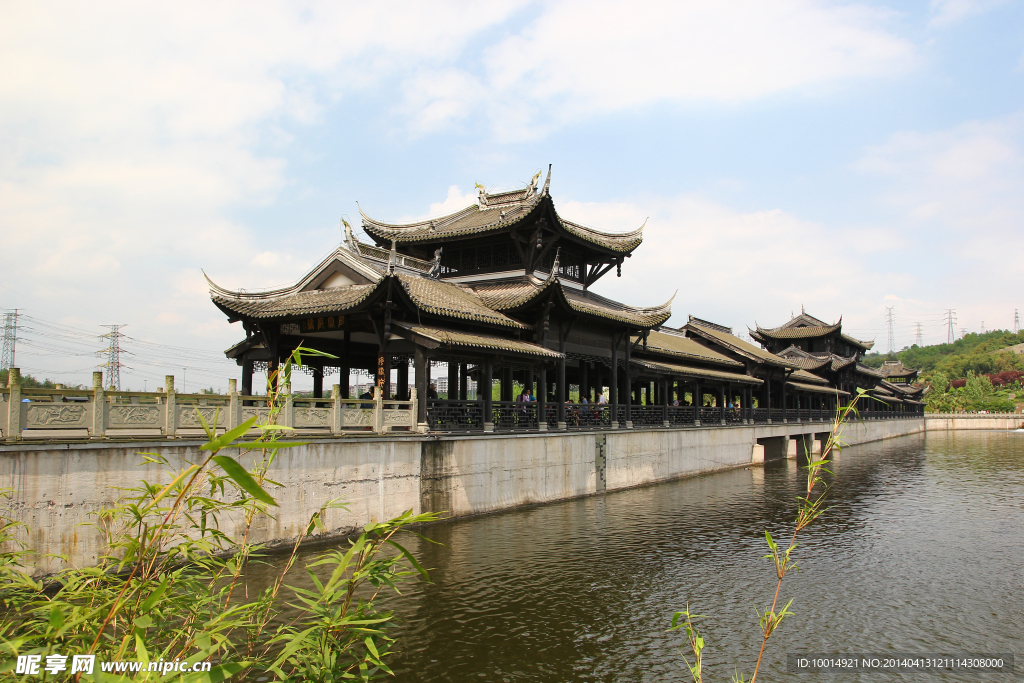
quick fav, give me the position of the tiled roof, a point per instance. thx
(334, 300)
(598, 306)
(496, 211)
(507, 295)
(805, 360)
(794, 332)
(682, 347)
(510, 295)
(895, 368)
(698, 373)
(471, 220)
(870, 372)
(804, 376)
(479, 341)
(453, 301)
(817, 388)
(866, 345)
(738, 345)
(384, 255)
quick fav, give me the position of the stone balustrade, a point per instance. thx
(104, 414)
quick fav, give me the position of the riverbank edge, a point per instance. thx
(57, 486)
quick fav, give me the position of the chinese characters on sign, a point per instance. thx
(381, 373)
(30, 664)
(328, 324)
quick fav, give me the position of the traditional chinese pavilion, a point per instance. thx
(824, 350)
(502, 290)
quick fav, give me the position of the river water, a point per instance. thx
(921, 551)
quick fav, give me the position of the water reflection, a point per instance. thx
(920, 551)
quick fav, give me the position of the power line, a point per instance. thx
(950, 322)
(889, 319)
(10, 340)
(113, 364)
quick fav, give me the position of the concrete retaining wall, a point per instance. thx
(947, 422)
(57, 487)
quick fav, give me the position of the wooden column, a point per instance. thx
(697, 401)
(613, 385)
(508, 385)
(485, 387)
(453, 380)
(783, 399)
(584, 381)
(247, 377)
(403, 380)
(346, 367)
(463, 382)
(561, 392)
(318, 382)
(664, 401)
(629, 352)
(420, 367)
(542, 396)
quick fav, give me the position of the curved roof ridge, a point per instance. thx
(638, 233)
(650, 310)
(440, 221)
(341, 252)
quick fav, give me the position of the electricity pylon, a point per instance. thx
(889, 318)
(918, 335)
(10, 340)
(950, 322)
(113, 364)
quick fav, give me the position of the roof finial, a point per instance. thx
(802, 311)
(350, 239)
(547, 182)
(532, 189)
(481, 195)
(435, 265)
(393, 260)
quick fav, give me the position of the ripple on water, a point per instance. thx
(921, 551)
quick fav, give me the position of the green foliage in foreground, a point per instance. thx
(809, 508)
(170, 584)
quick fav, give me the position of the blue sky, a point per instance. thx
(843, 156)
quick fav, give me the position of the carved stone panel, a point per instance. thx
(398, 418)
(261, 414)
(312, 417)
(133, 416)
(56, 416)
(356, 417)
(187, 418)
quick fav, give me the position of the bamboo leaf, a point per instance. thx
(225, 439)
(241, 477)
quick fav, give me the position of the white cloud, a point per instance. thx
(129, 131)
(734, 267)
(580, 57)
(948, 12)
(957, 198)
(966, 178)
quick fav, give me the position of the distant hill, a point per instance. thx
(991, 352)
